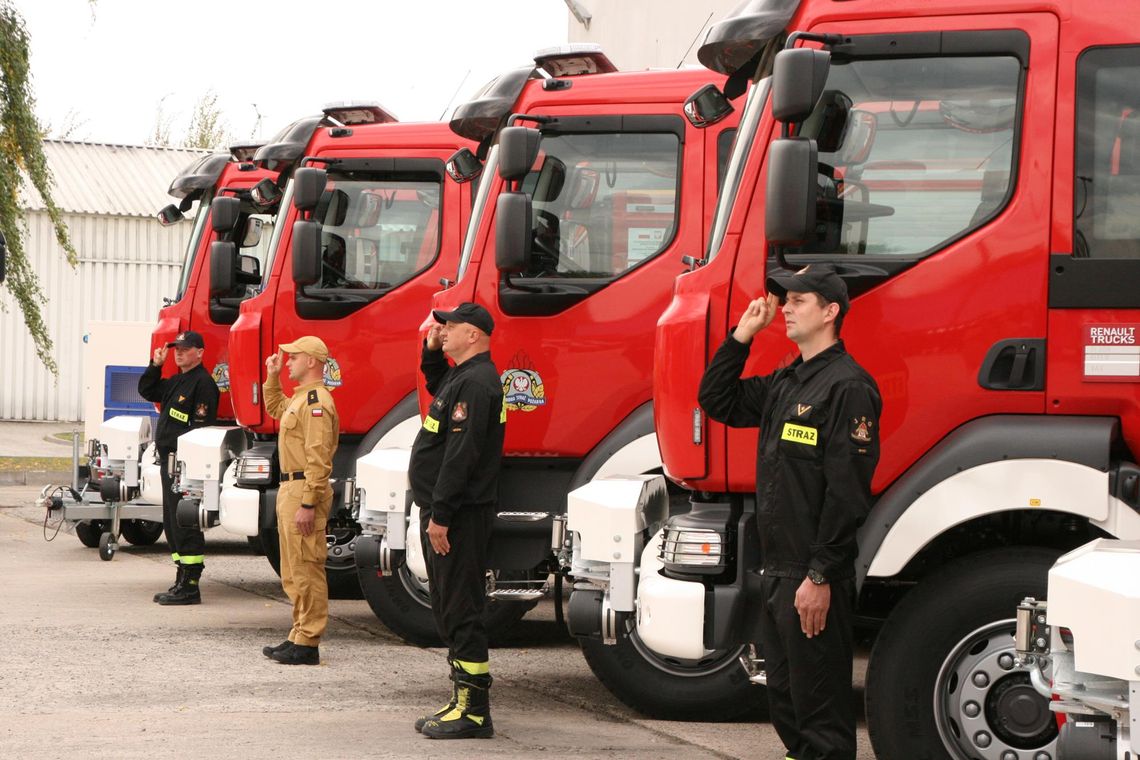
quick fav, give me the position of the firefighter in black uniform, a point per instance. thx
(454, 474)
(187, 400)
(819, 433)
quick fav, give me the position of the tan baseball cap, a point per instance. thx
(309, 344)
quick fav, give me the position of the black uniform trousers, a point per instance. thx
(184, 542)
(810, 695)
(459, 581)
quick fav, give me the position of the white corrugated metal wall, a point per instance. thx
(126, 266)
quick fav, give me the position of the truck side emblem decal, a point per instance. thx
(861, 429)
(802, 409)
(332, 374)
(523, 390)
(221, 375)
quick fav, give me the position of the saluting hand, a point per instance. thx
(434, 341)
(159, 356)
(273, 364)
(812, 603)
(437, 534)
(756, 317)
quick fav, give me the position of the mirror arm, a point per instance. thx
(828, 40)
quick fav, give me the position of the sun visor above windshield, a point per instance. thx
(287, 146)
(740, 36)
(199, 176)
(479, 117)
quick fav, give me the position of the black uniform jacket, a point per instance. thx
(819, 444)
(459, 449)
(188, 400)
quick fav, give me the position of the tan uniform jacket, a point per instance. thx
(310, 428)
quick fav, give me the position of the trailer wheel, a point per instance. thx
(941, 682)
(402, 603)
(107, 547)
(89, 531)
(340, 570)
(141, 532)
(715, 688)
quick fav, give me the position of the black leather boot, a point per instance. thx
(298, 654)
(186, 592)
(177, 581)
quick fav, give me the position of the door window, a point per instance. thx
(913, 152)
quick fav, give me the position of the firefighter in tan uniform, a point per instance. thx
(305, 447)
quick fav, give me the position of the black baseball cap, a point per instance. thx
(468, 313)
(188, 339)
(814, 278)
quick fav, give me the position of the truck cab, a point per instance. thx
(388, 224)
(966, 168)
(615, 187)
(218, 175)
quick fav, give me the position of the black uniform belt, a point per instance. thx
(299, 475)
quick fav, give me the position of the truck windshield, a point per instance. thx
(285, 216)
(486, 179)
(377, 230)
(741, 147)
(192, 244)
(913, 152)
(604, 202)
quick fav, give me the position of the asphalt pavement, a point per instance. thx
(92, 667)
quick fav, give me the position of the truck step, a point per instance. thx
(523, 516)
(516, 594)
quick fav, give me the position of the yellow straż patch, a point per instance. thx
(431, 424)
(799, 434)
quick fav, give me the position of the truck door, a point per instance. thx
(574, 332)
(1094, 273)
(384, 223)
(935, 142)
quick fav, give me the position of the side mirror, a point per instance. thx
(707, 106)
(463, 166)
(223, 264)
(225, 211)
(248, 270)
(306, 252)
(789, 205)
(169, 215)
(518, 150)
(308, 187)
(513, 237)
(3, 256)
(265, 193)
(252, 236)
(798, 77)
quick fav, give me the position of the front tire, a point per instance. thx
(402, 603)
(141, 532)
(941, 682)
(715, 688)
(90, 531)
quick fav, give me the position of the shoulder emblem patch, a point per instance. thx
(313, 398)
(459, 413)
(318, 412)
(861, 429)
(181, 399)
(201, 410)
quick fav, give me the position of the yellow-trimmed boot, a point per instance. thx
(420, 721)
(471, 716)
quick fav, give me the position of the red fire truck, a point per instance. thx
(596, 187)
(971, 169)
(371, 222)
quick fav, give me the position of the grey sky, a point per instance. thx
(111, 68)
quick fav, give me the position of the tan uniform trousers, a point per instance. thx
(303, 564)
